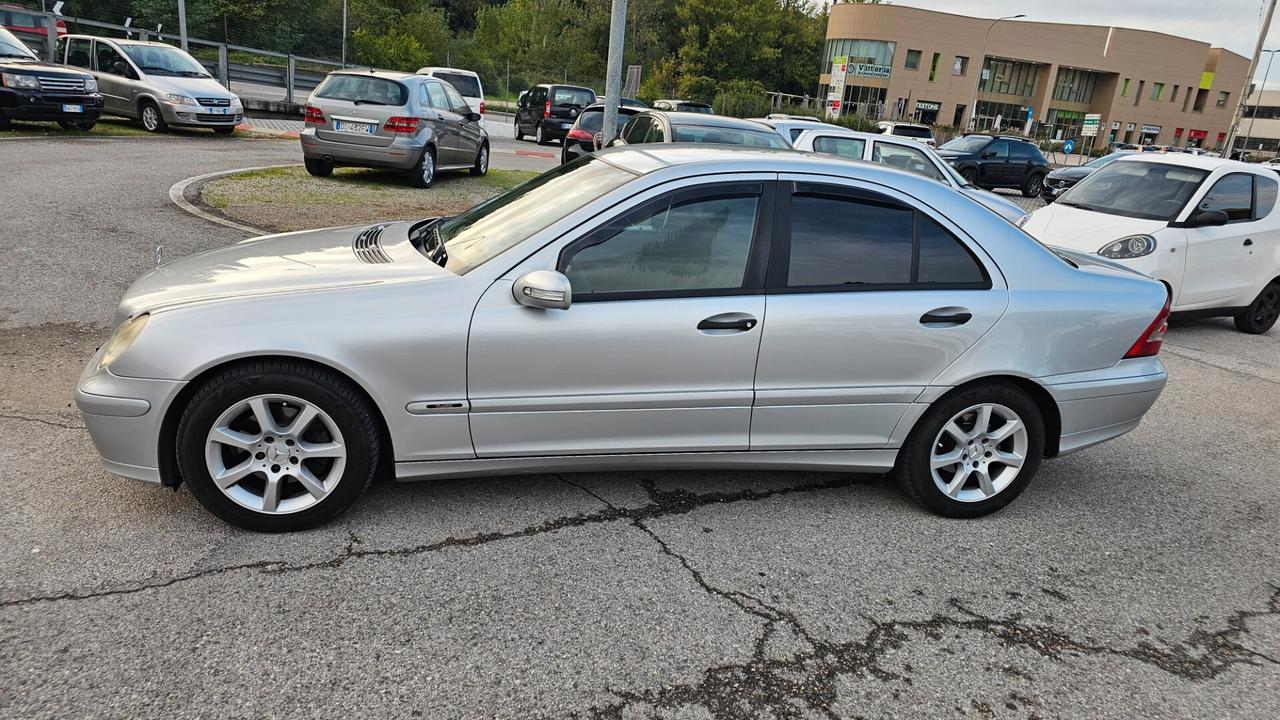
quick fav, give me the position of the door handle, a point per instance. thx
(741, 324)
(946, 317)
(1248, 242)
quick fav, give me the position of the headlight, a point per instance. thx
(1022, 221)
(122, 338)
(21, 82)
(90, 85)
(180, 99)
(1126, 248)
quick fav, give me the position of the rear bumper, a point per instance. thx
(1099, 405)
(402, 154)
(35, 105)
(123, 416)
(556, 128)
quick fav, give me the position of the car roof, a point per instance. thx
(119, 41)
(459, 71)
(1203, 162)
(384, 74)
(650, 157)
(839, 131)
(564, 85)
(632, 109)
(705, 120)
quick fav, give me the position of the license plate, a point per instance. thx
(73, 108)
(565, 126)
(220, 111)
(354, 128)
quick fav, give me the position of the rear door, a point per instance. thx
(870, 296)
(447, 125)
(994, 168)
(468, 133)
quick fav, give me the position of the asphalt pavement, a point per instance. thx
(1137, 579)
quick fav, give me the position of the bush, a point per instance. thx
(697, 88)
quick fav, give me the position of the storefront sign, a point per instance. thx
(870, 70)
(835, 90)
(1115, 125)
(928, 105)
(1197, 134)
(1150, 129)
(1130, 127)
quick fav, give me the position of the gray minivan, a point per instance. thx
(155, 83)
(400, 121)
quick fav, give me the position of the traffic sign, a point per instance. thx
(1091, 123)
(1069, 146)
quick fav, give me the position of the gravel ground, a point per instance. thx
(287, 199)
(1137, 579)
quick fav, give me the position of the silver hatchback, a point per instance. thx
(402, 121)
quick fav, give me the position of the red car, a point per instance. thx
(25, 21)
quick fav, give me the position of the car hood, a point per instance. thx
(953, 154)
(1002, 207)
(1084, 230)
(43, 68)
(289, 263)
(1071, 173)
(190, 86)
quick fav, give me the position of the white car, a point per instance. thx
(1205, 227)
(915, 131)
(790, 126)
(902, 153)
(465, 82)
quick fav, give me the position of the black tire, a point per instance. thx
(4, 122)
(317, 167)
(915, 475)
(343, 402)
(224, 130)
(970, 176)
(151, 118)
(481, 166)
(1031, 188)
(1262, 313)
(80, 125)
(519, 132)
(539, 135)
(424, 173)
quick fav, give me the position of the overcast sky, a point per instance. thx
(1232, 24)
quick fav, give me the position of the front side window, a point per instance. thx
(1233, 195)
(997, 149)
(435, 93)
(1147, 190)
(636, 130)
(845, 147)
(110, 61)
(364, 89)
(456, 103)
(905, 158)
(674, 245)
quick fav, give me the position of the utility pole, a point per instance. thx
(1261, 88)
(613, 80)
(344, 33)
(982, 62)
(182, 24)
(1244, 90)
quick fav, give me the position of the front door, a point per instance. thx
(995, 163)
(1223, 262)
(657, 352)
(115, 79)
(860, 321)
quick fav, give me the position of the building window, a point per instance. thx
(1262, 112)
(1202, 96)
(866, 52)
(1223, 97)
(960, 66)
(1186, 98)
(1142, 85)
(1074, 85)
(958, 119)
(1124, 89)
(913, 59)
(933, 68)
(1174, 96)
(1157, 89)
(1008, 77)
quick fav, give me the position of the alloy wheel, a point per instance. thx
(979, 452)
(150, 118)
(484, 159)
(275, 454)
(428, 168)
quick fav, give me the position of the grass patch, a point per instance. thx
(110, 127)
(287, 198)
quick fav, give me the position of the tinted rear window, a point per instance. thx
(464, 84)
(362, 87)
(572, 96)
(593, 120)
(911, 131)
(729, 136)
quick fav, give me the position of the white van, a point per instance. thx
(465, 82)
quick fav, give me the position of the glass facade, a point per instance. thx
(1012, 116)
(1074, 85)
(871, 52)
(1009, 77)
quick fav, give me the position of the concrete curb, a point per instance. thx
(178, 196)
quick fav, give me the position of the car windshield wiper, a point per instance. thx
(435, 248)
(154, 69)
(193, 73)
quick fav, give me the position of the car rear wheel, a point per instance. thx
(80, 125)
(1032, 187)
(539, 136)
(277, 446)
(317, 167)
(1262, 313)
(424, 173)
(973, 452)
(482, 162)
(519, 132)
(152, 120)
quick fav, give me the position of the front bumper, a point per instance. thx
(123, 416)
(402, 154)
(43, 106)
(201, 116)
(1050, 193)
(1099, 405)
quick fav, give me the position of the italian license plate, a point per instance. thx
(565, 126)
(220, 111)
(73, 108)
(353, 127)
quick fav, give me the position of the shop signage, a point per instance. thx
(1197, 134)
(835, 91)
(1090, 126)
(1150, 129)
(928, 105)
(870, 70)
(1130, 127)
(1115, 125)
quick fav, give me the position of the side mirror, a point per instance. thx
(543, 289)
(1208, 218)
(474, 116)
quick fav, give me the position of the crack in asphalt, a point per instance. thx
(662, 504)
(42, 421)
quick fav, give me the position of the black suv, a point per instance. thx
(548, 111)
(34, 90)
(997, 161)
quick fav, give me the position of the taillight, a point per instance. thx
(401, 125)
(546, 111)
(1149, 344)
(579, 134)
(314, 116)
(481, 107)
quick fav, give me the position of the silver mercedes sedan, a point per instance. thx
(669, 306)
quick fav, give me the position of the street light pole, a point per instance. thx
(982, 62)
(613, 80)
(1244, 90)
(1265, 73)
(344, 33)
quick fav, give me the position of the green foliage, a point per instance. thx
(742, 98)
(696, 87)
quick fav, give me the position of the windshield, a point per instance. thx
(500, 223)
(966, 144)
(915, 131)
(466, 85)
(11, 46)
(163, 60)
(729, 136)
(1151, 191)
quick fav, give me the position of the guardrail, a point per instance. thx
(218, 58)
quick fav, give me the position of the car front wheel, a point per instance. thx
(152, 120)
(277, 446)
(973, 452)
(1032, 187)
(1262, 312)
